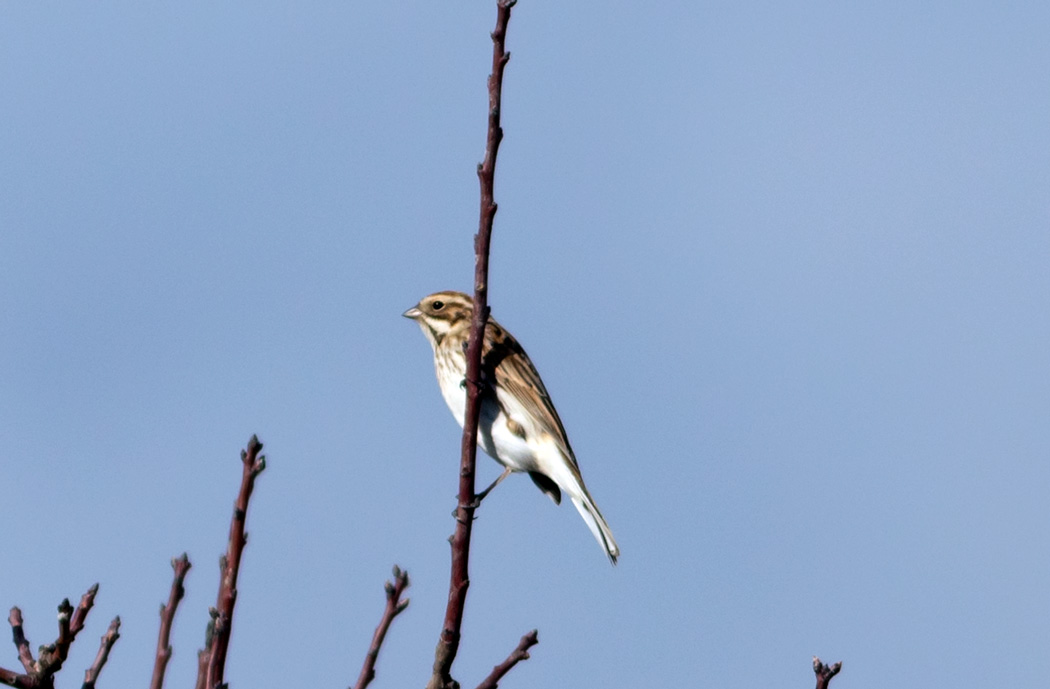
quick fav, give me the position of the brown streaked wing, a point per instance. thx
(516, 374)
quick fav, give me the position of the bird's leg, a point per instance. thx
(481, 496)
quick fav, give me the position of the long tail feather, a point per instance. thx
(597, 524)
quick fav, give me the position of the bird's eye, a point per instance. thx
(438, 305)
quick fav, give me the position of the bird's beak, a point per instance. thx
(413, 313)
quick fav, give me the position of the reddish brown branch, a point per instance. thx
(13, 679)
(824, 672)
(459, 579)
(394, 607)
(70, 622)
(40, 674)
(517, 655)
(204, 655)
(217, 640)
(21, 643)
(108, 639)
(181, 566)
(10, 677)
(65, 612)
(80, 614)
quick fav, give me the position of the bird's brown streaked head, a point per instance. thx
(440, 312)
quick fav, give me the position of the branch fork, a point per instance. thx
(824, 672)
(40, 673)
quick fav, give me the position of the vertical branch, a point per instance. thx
(459, 580)
(217, 640)
(167, 617)
(204, 655)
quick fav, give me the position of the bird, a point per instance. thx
(518, 425)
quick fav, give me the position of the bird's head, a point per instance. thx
(440, 313)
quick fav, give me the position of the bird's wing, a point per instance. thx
(516, 380)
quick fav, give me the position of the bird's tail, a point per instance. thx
(596, 523)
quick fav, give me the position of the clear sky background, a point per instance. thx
(785, 268)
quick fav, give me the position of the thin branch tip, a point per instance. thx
(212, 659)
(394, 607)
(824, 672)
(520, 653)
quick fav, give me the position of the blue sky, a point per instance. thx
(784, 268)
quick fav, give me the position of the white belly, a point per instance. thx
(494, 437)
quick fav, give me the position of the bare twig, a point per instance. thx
(108, 639)
(517, 655)
(459, 580)
(65, 612)
(204, 655)
(70, 622)
(217, 639)
(80, 614)
(824, 672)
(13, 679)
(394, 607)
(40, 674)
(181, 566)
(24, 654)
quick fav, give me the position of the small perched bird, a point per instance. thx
(519, 426)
